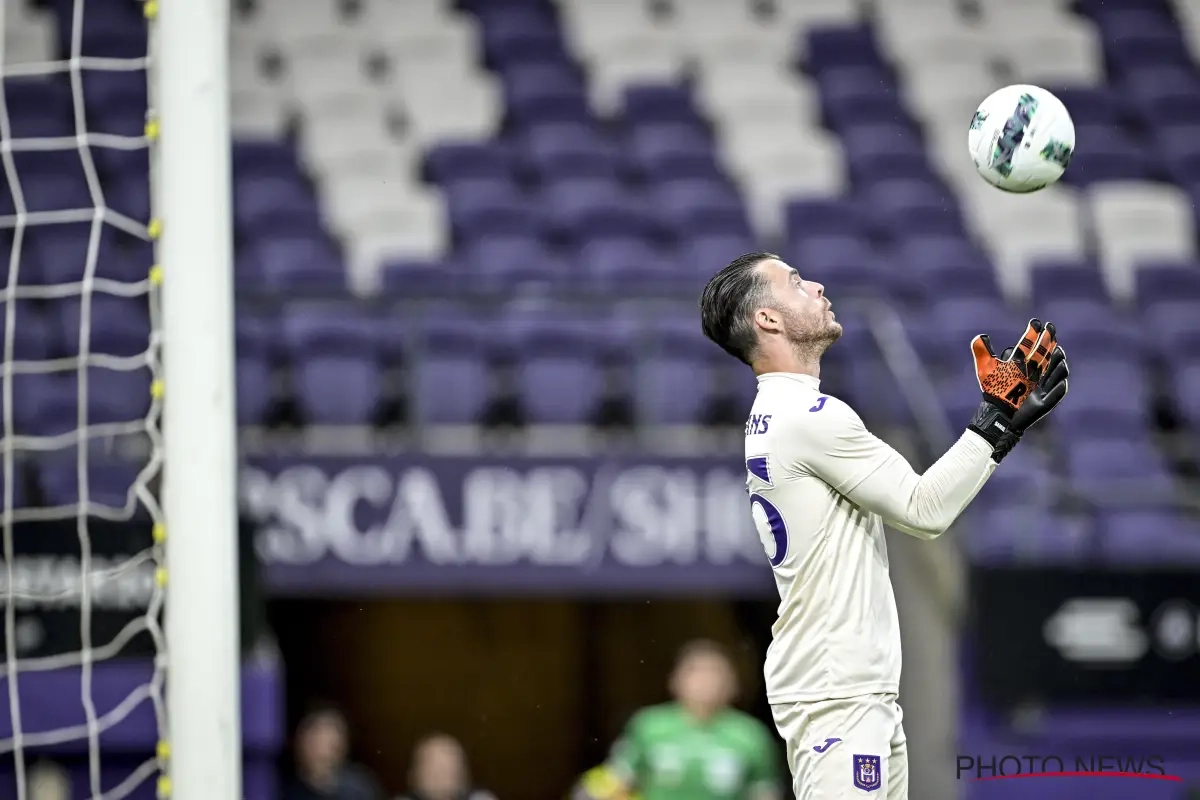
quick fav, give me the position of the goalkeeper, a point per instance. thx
(696, 748)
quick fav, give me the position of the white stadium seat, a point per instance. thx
(1134, 222)
(756, 90)
(1068, 55)
(795, 15)
(1019, 228)
(466, 110)
(258, 112)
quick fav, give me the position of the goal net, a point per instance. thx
(83, 577)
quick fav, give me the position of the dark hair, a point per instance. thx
(728, 301)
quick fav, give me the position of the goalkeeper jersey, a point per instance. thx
(667, 754)
(821, 487)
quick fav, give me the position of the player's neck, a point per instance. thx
(788, 360)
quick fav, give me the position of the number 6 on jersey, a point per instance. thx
(772, 530)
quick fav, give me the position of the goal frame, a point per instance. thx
(189, 83)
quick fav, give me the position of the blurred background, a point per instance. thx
(492, 471)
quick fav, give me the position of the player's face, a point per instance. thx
(807, 314)
(704, 681)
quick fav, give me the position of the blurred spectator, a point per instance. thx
(48, 781)
(322, 771)
(440, 772)
(697, 747)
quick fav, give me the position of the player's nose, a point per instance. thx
(817, 288)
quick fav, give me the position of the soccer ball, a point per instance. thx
(1021, 138)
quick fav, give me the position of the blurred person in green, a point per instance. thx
(698, 747)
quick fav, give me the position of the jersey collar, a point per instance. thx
(807, 380)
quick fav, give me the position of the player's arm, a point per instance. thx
(871, 474)
(1018, 390)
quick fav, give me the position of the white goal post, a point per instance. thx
(190, 92)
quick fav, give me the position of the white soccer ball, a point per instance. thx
(1021, 138)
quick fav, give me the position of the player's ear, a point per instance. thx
(768, 319)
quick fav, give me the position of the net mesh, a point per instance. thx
(84, 579)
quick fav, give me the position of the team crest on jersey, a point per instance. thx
(868, 775)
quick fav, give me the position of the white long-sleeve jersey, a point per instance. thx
(822, 487)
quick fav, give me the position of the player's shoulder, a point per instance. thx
(800, 410)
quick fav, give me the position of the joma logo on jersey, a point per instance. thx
(757, 424)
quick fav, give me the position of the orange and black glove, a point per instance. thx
(1020, 387)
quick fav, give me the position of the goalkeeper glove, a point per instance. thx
(1020, 387)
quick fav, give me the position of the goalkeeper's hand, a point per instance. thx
(1020, 387)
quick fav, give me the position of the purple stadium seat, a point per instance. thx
(118, 326)
(258, 157)
(706, 254)
(583, 209)
(520, 35)
(113, 397)
(830, 47)
(1090, 105)
(973, 280)
(1170, 103)
(26, 95)
(1108, 467)
(1095, 329)
(1024, 480)
(825, 217)
(1106, 154)
(845, 265)
(940, 251)
(1167, 282)
(481, 208)
(915, 208)
(1127, 49)
(544, 93)
(59, 254)
(299, 264)
(658, 104)
(503, 261)
(946, 329)
(673, 355)
(451, 379)
(279, 206)
(1150, 538)
(1025, 534)
(1067, 280)
(555, 151)
(111, 29)
(622, 263)
(557, 373)
(329, 353)
(692, 207)
(404, 276)
(105, 89)
(857, 97)
(1096, 409)
(450, 161)
(672, 151)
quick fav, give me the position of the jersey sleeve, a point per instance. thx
(628, 757)
(837, 448)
